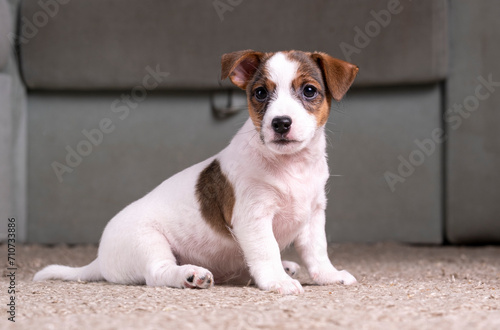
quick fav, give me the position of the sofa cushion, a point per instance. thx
(108, 44)
(5, 31)
(6, 195)
(368, 133)
(473, 149)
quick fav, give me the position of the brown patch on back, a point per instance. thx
(216, 198)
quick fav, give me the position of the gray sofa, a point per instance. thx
(119, 98)
(13, 121)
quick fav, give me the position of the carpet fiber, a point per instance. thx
(400, 287)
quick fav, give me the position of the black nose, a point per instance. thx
(281, 125)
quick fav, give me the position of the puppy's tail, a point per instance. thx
(89, 273)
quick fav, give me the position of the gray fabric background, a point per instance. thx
(168, 132)
(5, 154)
(473, 167)
(5, 121)
(5, 30)
(106, 44)
(100, 45)
(13, 162)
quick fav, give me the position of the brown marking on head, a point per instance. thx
(240, 66)
(337, 74)
(216, 198)
(246, 69)
(330, 77)
(257, 109)
(309, 75)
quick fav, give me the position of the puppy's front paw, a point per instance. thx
(333, 276)
(284, 286)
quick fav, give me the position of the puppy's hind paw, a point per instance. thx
(198, 277)
(291, 268)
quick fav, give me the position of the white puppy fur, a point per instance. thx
(268, 187)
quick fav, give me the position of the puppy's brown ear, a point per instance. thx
(338, 75)
(240, 66)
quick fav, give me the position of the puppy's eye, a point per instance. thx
(309, 92)
(261, 94)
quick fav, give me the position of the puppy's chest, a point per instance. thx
(296, 200)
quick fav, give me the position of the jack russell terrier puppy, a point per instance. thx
(230, 216)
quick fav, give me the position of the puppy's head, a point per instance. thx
(289, 93)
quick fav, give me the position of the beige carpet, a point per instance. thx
(400, 287)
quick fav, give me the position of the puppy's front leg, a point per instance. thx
(312, 247)
(262, 254)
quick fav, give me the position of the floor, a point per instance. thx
(400, 287)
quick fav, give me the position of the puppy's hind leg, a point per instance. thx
(161, 267)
